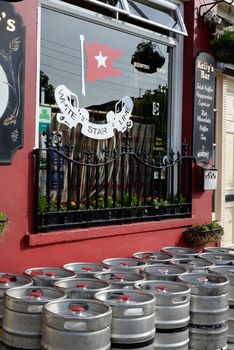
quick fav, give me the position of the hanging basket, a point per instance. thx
(223, 45)
(224, 51)
(147, 58)
(198, 238)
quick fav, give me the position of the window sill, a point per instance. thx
(106, 231)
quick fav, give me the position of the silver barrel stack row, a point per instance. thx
(176, 299)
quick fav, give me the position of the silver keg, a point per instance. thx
(219, 250)
(10, 280)
(120, 279)
(133, 315)
(22, 315)
(173, 340)
(208, 309)
(153, 257)
(76, 324)
(85, 269)
(193, 264)
(182, 252)
(163, 272)
(81, 288)
(149, 345)
(218, 259)
(228, 271)
(46, 276)
(127, 264)
(172, 303)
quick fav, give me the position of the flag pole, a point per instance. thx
(82, 62)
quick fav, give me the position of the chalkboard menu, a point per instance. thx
(12, 41)
(203, 112)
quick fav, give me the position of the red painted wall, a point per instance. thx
(19, 248)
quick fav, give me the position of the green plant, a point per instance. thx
(200, 234)
(3, 216)
(160, 202)
(43, 204)
(223, 45)
(3, 222)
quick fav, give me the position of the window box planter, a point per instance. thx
(200, 235)
(223, 45)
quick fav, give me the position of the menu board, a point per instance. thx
(203, 111)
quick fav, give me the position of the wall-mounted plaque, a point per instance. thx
(12, 41)
(203, 112)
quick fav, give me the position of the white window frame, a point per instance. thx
(162, 3)
(176, 78)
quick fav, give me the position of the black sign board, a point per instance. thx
(203, 112)
(12, 41)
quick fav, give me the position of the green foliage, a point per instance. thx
(223, 45)
(224, 36)
(3, 216)
(43, 204)
(160, 203)
(214, 225)
(133, 201)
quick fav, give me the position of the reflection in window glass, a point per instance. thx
(102, 67)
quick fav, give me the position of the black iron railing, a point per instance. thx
(112, 187)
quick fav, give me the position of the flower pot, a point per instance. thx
(200, 238)
(223, 51)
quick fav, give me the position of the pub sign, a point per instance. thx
(12, 40)
(203, 111)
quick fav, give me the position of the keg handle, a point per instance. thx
(78, 305)
(36, 293)
(137, 311)
(75, 325)
(180, 300)
(163, 271)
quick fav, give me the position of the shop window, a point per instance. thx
(105, 125)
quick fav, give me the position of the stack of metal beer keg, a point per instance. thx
(175, 299)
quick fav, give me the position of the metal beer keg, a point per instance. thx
(208, 309)
(85, 269)
(120, 279)
(153, 257)
(228, 271)
(218, 259)
(46, 276)
(10, 280)
(76, 324)
(82, 288)
(219, 250)
(133, 315)
(22, 315)
(182, 252)
(192, 264)
(163, 272)
(126, 264)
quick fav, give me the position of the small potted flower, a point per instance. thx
(223, 45)
(200, 235)
(3, 222)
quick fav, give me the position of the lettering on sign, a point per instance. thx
(12, 40)
(203, 113)
(72, 115)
